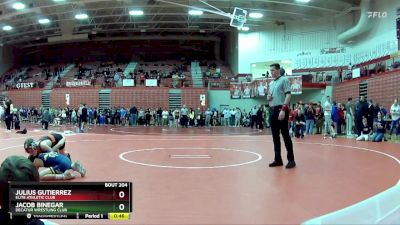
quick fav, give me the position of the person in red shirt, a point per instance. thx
(341, 120)
(319, 118)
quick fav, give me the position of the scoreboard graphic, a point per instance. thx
(73, 200)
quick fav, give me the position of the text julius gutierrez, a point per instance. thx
(379, 15)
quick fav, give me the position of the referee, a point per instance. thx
(279, 98)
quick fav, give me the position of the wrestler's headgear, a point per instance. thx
(29, 144)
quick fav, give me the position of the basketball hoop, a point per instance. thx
(238, 18)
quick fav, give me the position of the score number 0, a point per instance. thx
(121, 206)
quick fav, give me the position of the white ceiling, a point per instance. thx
(110, 18)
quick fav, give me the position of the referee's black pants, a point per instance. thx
(280, 126)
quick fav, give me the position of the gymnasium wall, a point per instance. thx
(25, 97)
(140, 97)
(120, 97)
(89, 96)
(191, 97)
(302, 39)
(382, 89)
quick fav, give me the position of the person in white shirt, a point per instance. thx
(165, 115)
(227, 116)
(176, 116)
(208, 116)
(395, 113)
(327, 115)
(238, 114)
(232, 119)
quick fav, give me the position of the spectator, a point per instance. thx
(395, 113)
(208, 117)
(341, 122)
(310, 115)
(380, 126)
(366, 131)
(319, 118)
(300, 122)
(46, 118)
(165, 115)
(327, 115)
(361, 111)
(370, 113)
(349, 117)
(133, 115)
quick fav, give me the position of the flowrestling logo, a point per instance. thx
(379, 15)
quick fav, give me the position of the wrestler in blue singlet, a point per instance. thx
(58, 163)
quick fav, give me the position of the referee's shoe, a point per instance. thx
(290, 165)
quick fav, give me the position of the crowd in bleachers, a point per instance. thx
(38, 75)
(110, 74)
(171, 73)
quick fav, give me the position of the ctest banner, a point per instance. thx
(74, 200)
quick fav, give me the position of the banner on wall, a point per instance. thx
(67, 99)
(77, 83)
(296, 84)
(248, 90)
(235, 90)
(261, 87)
(202, 99)
(25, 85)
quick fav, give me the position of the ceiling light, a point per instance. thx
(7, 28)
(81, 16)
(18, 6)
(58, 0)
(253, 65)
(136, 12)
(255, 15)
(44, 21)
(195, 12)
(245, 28)
(303, 1)
(286, 61)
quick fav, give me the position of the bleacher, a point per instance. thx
(171, 73)
(33, 74)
